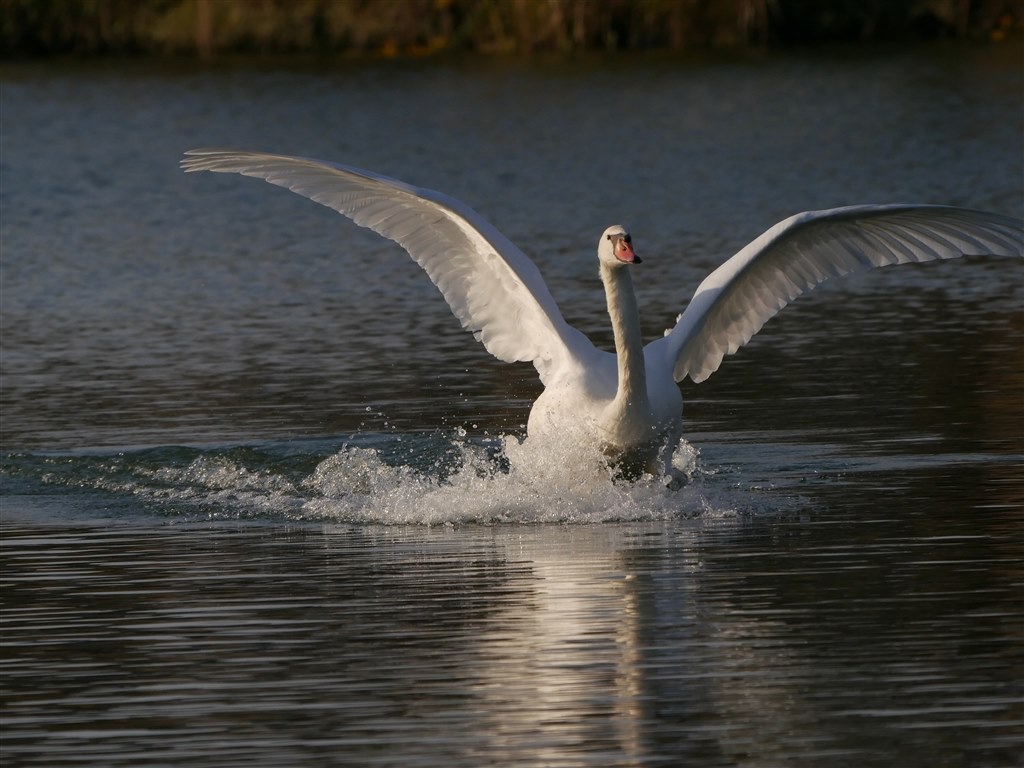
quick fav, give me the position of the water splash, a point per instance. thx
(519, 483)
(379, 479)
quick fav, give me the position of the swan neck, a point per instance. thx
(629, 347)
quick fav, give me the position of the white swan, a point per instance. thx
(627, 403)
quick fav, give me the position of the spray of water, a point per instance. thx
(391, 480)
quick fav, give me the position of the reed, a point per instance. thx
(427, 27)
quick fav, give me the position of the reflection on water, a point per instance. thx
(743, 641)
(263, 501)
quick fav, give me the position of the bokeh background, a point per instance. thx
(438, 27)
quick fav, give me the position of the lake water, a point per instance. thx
(263, 502)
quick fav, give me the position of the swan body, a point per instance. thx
(626, 404)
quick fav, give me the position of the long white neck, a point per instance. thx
(631, 395)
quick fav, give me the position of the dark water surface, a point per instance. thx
(263, 502)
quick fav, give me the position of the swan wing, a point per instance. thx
(738, 298)
(494, 290)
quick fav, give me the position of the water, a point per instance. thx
(263, 501)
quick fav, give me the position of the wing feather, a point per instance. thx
(494, 290)
(791, 258)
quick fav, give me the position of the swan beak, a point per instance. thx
(627, 255)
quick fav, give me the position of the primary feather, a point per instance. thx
(738, 298)
(494, 290)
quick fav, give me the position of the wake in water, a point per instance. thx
(392, 479)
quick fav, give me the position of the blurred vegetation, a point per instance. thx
(426, 27)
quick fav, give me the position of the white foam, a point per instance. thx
(533, 484)
(428, 480)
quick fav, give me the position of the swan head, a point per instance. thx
(615, 248)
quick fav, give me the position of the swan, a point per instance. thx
(627, 404)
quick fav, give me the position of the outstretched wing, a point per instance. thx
(494, 290)
(738, 298)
